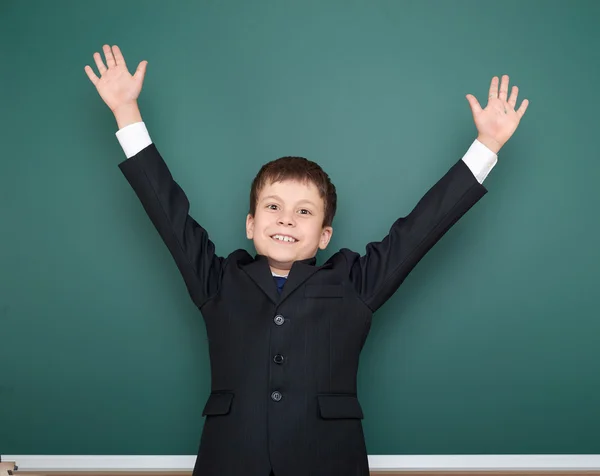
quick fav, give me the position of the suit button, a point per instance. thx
(279, 319)
(278, 359)
(276, 396)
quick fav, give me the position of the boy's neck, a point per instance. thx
(279, 272)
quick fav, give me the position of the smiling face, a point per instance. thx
(288, 224)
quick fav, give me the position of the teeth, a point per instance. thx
(284, 238)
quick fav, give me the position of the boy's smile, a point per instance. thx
(288, 224)
(284, 238)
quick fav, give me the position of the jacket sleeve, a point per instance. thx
(167, 207)
(378, 273)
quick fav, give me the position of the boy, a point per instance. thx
(284, 334)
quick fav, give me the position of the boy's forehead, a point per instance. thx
(292, 189)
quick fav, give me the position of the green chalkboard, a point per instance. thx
(492, 343)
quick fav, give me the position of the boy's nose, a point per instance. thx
(288, 221)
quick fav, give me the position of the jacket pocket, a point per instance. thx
(323, 290)
(339, 405)
(218, 403)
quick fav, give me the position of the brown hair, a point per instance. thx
(302, 170)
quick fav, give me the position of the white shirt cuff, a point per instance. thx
(480, 160)
(133, 138)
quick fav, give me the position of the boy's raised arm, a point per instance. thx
(379, 272)
(163, 199)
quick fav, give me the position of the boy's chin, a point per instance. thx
(286, 256)
(282, 256)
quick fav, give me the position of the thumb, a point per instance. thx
(475, 107)
(140, 72)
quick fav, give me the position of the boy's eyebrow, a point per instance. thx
(277, 197)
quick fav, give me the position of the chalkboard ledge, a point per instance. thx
(388, 465)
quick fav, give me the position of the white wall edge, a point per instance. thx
(376, 462)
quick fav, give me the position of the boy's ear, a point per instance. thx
(249, 226)
(325, 237)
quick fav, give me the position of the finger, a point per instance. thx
(504, 88)
(523, 108)
(474, 103)
(119, 60)
(99, 63)
(513, 96)
(110, 59)
(90, 74)
(493, 88)
(140, 72)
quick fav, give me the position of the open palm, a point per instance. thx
(115, 85)
(499, 120)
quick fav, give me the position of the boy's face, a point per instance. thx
(292, 211)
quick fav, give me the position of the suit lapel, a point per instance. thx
(300, 272)
(260, 273)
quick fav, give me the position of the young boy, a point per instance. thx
(285, 334)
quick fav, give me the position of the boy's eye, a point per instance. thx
(303, 211)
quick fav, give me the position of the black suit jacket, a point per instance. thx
(284, 367)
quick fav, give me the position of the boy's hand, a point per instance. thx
(116, 86)
(499, 120)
